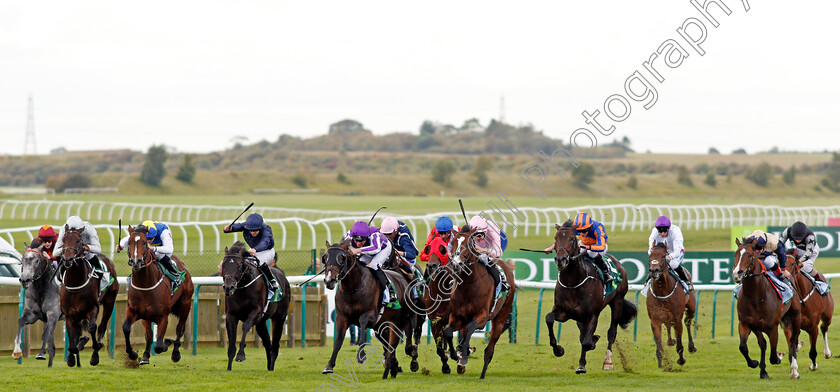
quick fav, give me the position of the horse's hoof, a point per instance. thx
(827, 355)
(692, 349)
(462, 369)
(445, 369)
(176, 356)
(17, 355)
(764, 375)
(327, 370)
(774, 360)
(559, 351)
(71, 360)
(813, 367)
(415, 366)
(99, 346)
(580, 370)
(132, 355)
(752, 363)
(681, 361)
(671, 342)
(144, 360)
(240, 357)
(40, 357)
(82, 342)
(94, 359)
(794, 376)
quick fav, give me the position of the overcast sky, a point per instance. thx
(194, 74)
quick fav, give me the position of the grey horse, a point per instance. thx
(41, 301)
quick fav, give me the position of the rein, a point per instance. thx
(245, 264)
(78, 288)
(664, 274)
(47, 264)
(569, 256)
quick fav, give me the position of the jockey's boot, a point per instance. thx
(816, 275)
(683, 274)
(379, 274)
(273, 285)
(170, 266)
(602, 264)
(98, 265)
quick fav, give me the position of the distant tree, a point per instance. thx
(153, 171)
(342, 178)
(632, 182)
(187, 170)
(789, 176)
(583, 175)
(774, 150)
(832, 175)
(710, 180)
(347, 126)
(713, 150)
(427, 128)
(740, 151)
(300, 179)
(683, 177)
(625, 142)
(481, 179)
(442, 171)
(482, 165)
(761, 174)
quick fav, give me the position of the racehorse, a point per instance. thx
(815, 308)
(80, 297)
(760, 310)
(246, 296)
(472, 298)
(579, 295)
(357, 302)
(439, 284)
(666, 303)
(150, 298)
(41, 301)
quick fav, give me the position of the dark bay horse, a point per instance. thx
(472, 297)
(80, 297)
(760, 310)
(439, 285)
(666, 303)
(416, 305)
(150, 298)
(579, 296)
(246, 293)
(357, 302)
(41, 300)
(815, 308)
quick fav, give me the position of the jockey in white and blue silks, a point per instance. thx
(160, 240)
(375, 250)
(671, 236)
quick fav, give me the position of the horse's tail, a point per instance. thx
(628, 313)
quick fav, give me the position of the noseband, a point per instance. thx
(47, 264)
(242, 266)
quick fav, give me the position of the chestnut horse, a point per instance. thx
(80, 297)
(151, 299)
(357, 302)
(439, 284)
(666, 303)
(760, 310)
(815, 308)
(246, 293)
(579, 295)
(472, 298)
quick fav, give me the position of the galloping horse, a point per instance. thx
(246, 293)
(415, 329)
(760, 310)
(357, 302)
(579, 295)
(38, 278)
(472, 298)
(439, 284)
(80, 297)
(150, 298)
(666, 303)
(815, 308)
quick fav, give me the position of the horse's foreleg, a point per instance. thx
(762, 344)
(616, 307)
(744, 334)
(552, 340)
(147, 353)
(49, 335)
(183, 315)
(262, 332)
(464, 346)
(812, 354)
(108, 301)
(440, 345)
(826, 321)
(73, 332)
(690, 310)
(161, 343)
(656, 327)
(775, 356)
(130, 318)
(230, 325)
(276, 334)
(246, 326)
(27, 318)
(97, 345)
(449, 337)
(587, 340)
(495, 333)
(338, 340)
(678, 331)
(791, 326)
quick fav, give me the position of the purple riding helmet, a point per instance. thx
(662, 224)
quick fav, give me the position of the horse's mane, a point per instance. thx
(661, 245)
(465, 229)
(748, 240)
(567, 223)
(36, 244)
(141, 229)
(237, 248)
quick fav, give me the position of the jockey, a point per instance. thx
(403, 241)
(771, 252)
(443, 229)
(47, 237)
(160, 240)
(91, 241)
(671, 236)
(805, 243)
(488, 244)
(593, 238)
(375, 250)
(258, 236)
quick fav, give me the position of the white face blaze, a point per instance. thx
(136, 239)
(457, 256)
(654, 262)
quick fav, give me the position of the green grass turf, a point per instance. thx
(717, 365)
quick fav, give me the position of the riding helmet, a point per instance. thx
(254, 222)
(798, 231)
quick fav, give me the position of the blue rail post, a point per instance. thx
(195, 320)
(714, 312)
(303, 316)
(112, 336)
(429, 331)
(66, 342)
(732, 318)
(512, 330)
(539, 311)
(696, 314)
(20, 314)
(636, 320)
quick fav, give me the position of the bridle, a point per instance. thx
(47, 265)
(663, 271)
(748, 273)
(568, 256)
(242, 265)
(79, 249)
(344, 269)
(148, 258)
